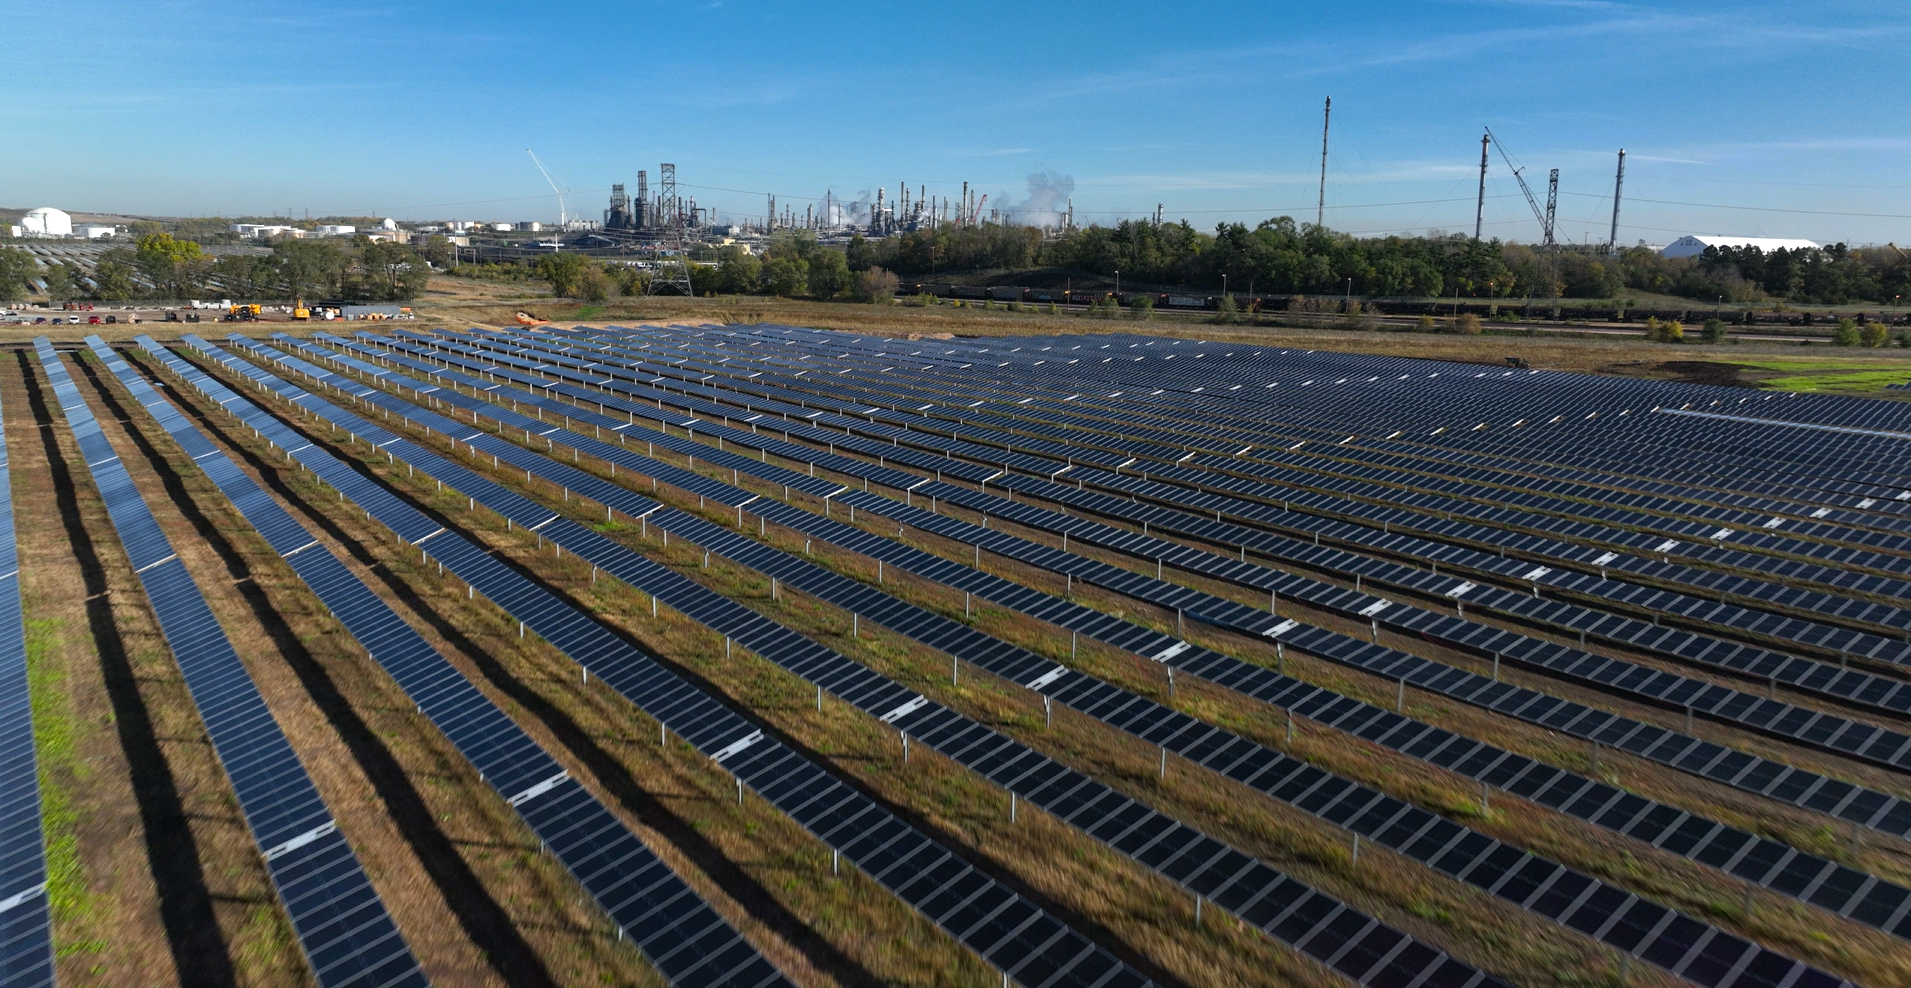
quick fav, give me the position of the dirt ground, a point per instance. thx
(459, 303)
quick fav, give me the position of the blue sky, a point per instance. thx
(423, 110)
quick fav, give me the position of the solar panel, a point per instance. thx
(346, 934)
(1267, 770)
(26, 944)
(1071, 795)
(997, 923)
(1870, 743)
(1606, 728)
(653, 907)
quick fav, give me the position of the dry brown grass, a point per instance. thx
(1098, 887)
(1775, 920)
(753, 863)
(1292, 839)
(157, 880)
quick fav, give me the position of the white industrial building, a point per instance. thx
(94, 231)
(259, 230)
(46, 222)
(336, 230)
(1694, 244)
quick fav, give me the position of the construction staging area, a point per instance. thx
(756, 655)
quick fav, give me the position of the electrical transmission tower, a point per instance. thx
(672, 273)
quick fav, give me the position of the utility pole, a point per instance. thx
(671, 276)
(1618, 182)
(1479, 211)
(1552, 201)
(1326, 116)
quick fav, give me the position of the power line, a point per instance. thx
(1756, 209)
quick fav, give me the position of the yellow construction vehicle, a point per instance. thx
(299, 312)
(242, 313)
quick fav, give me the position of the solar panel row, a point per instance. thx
(1334, 799)
(1493, 866)
(1763, 714)
(26, 934)
(1356, 945)
(1372, 499)
(1833, 886)
(1012, 934)
(682, 936)
(1768, 863)
(1713, 761)
(1339, 451)
(1523, 606)
(347, 936)
(1173, 448)
(1770, 778)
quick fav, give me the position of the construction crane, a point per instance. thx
(1544, 217)
(563, 198)
(977, 218)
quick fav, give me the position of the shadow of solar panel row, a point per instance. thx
(1771, 864)
(1224, 473)
(1525, 545)
(1768, 863)
(1230, 420)
(1007, 931)
(1557, 388)
(1222, 426)
(1526, 608)
(1824, 730)
(1609, 914)
(1094, 801)
(678, 932)
(1758, 525)
(1374, 816)
(1356, 945)
(1179, 449)
(343, 928)
(26, 930)
(1769, 778)
(1826, 640)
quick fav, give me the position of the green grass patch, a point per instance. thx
(59, 768)
(1841, 381)
(590, 312)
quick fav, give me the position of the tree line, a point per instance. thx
(792, 265)
(161, 266)
(1280, 256)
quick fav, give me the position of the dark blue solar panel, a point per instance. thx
(838, 814)
(1531, 784)
(26, 946)
(613, 865)
(347, 936)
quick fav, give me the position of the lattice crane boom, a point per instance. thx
(1544, 216)
(563, 198)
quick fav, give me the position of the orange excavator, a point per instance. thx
(527, 319)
